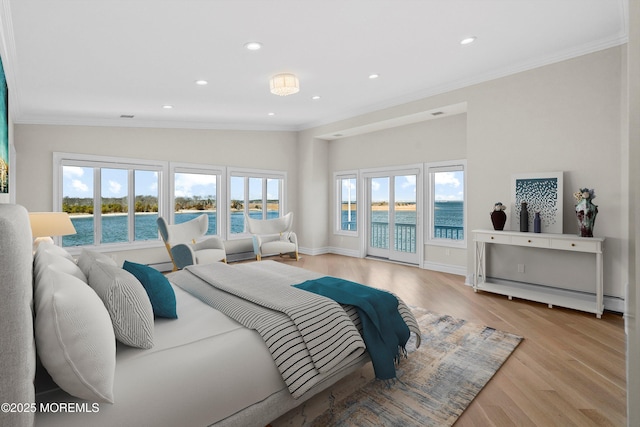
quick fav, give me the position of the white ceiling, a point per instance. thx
(91, 61)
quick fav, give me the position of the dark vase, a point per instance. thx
(524, 217)
(586, 213)
(537, 223)
(498, 219)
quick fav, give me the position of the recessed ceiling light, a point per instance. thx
(271, 114)
(167, 107)
(374, 76)
(315, 97)
(253, 45)
(202, 82)
(468, 40)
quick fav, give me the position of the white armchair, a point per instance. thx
(273, 236)
(183, 246)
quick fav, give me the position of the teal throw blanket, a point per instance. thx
(384, 331)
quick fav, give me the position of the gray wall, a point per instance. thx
(35, 145)
(560, 117)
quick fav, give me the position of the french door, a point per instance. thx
(394, 209)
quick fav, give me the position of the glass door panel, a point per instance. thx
(405, 222)
(393, 217)
(379, 217)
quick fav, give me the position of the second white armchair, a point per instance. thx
(273, 236)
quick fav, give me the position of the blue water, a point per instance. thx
(447, 214)
(114, 227)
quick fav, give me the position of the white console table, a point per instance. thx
(590, 302)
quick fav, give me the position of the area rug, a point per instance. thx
(435, 383)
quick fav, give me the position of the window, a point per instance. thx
(447, 207)
(346, 203)
(110, 201)
(195, 192)
(256, 193)
(116, 201)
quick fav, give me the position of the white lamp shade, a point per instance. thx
(284, 84)
(46, 224)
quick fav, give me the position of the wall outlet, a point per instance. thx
(520, 268)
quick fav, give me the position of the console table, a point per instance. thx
(551, 295)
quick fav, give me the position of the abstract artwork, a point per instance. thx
(543, 193)
(4, 133)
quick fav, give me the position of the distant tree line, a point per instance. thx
(84, 205)
(195, 203)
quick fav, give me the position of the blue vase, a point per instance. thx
(537, 223)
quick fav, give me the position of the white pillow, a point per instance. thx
(87, 258)
(74, 336)
(127, 303)
(51, 258)
(52, 248)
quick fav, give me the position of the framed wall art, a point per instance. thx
(543, 194)
(4, 133)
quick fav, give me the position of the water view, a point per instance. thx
(114, 227)
(448, 224)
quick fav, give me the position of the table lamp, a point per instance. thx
(47, 224)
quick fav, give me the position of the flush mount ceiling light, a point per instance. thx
(201, 82)
(468, 40)
(253, 45)
(374, 76)
(284, 84)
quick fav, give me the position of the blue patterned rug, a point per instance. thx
(435, 383)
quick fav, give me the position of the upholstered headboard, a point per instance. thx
(17, 347)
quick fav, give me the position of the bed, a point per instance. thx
(202, 368)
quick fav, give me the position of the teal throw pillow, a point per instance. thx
(161, 294)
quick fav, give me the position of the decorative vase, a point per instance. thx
(524, 217)
(498, 219)
(537, 223)
(586, 212)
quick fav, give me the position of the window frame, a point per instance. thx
(96, 163)
(254, 173)
(195, 168)
(338, 178)
(436, 167)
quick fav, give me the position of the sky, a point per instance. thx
(78, 182)
(255, 188)
(448, 186)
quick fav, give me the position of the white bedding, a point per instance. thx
(240, 372)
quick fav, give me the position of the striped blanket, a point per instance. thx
(308, 335)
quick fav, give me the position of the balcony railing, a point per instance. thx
(448, 232)
(404, 236)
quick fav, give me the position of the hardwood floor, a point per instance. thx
(568, 371)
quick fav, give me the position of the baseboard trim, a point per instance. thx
(444, 268)
(345, 252)
(163, 266)
(614, 304)
(313, 252)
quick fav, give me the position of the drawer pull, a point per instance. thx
(573, 244)
(491, 237)
(528, 241)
